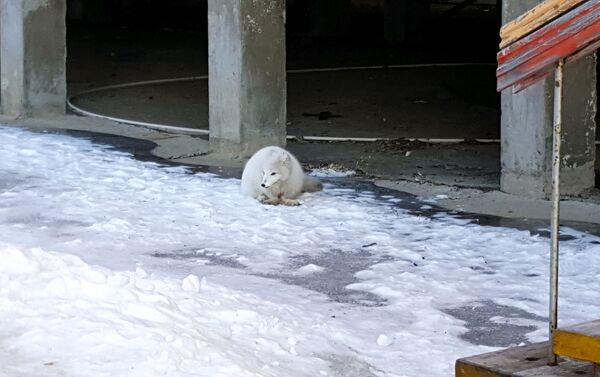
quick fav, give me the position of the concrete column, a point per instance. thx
(75, 13)
(401, 17)
(0, 59)
(395, 21)
(329, 19)
(33, 50)
(88, 11)
(247, 82)
(527, 128)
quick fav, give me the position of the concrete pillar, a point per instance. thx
(329, 19)
(75, 13)
(0, 59)
(92, 12)
(401, 17)
(33, 50)
(247, 82)
(527, 128)
(395, 21)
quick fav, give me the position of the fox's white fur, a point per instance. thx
(274, 176)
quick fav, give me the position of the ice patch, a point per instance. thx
(331, 173)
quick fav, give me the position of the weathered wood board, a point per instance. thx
(534, 56)
(534, 19)
(581, 341)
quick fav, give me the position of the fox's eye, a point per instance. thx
(273, 173)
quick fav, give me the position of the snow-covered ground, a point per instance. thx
(116, 267)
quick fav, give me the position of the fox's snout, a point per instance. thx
(266, 183)
(269, 179)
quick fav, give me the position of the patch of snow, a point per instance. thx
(113, 266)
(309, 269)
(90, 321)
(331, 173)
(384, 340)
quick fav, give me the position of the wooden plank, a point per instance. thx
(536, 54)
(590, 49)
(503, 363)
(567, 368)
(534, 19)
(579, 342)
(536, 69)
(560, 30)
(543, 64)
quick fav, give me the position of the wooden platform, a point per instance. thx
(568, 368)
(581, 341)
(525, 361)
(531, 21)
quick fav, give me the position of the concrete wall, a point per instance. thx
(402, 17)
(247, 79)
(329, 18)
(527, 128)
(88, 11)
(33, 51)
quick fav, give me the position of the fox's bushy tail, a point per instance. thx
(311, 184)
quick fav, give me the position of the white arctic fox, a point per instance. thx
(274, 176)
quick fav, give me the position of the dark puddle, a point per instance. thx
(501, 333)
(338, 272)
(339, 269)
(212, 258)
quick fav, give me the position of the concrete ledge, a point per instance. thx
(574, 180)
(531, 186)
(498, 203)
(168, 146)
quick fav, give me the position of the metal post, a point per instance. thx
(554, 222)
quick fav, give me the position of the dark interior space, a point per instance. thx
(350, 31)
(114, 42)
